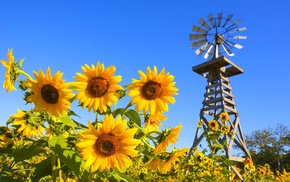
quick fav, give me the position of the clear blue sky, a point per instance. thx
(132, 35)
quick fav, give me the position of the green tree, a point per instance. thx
(270, 145)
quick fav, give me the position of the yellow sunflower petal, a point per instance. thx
(85, 143)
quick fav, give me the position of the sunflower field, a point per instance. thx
(46, 142)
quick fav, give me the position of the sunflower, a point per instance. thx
(225, 129)
(248, 161)
(6, 137)
(97, 87)
(262, 172)
(11, 72)
(216, 171)
(50, 93)
(206, 173)
(108, 146)
(168, 164)
(198, 157)
(30, 123)
(213, 125)
(155, 164)
(169, 136)
(224, 117)
(247, 167)
(152, 122)
(153, 91)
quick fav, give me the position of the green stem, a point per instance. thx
(51, 122)
(91, 176)
(59, 170)
(97, 118)
(24, 73)
(128, 105)
(147, 144)
(157, 132)
(54, 171)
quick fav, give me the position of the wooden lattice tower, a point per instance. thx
(219, 98)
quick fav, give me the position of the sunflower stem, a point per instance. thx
(24, 73)
(59, 170)
(147, 144)
(54, 172)
(97, 118)
(91, 176)
(128, 105)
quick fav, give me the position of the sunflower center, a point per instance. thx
(97, 87)
(212, 124)
(107, 144)
(151, 90)
(49, 94)
(199, 158)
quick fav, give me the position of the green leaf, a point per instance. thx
(217, 146)
(9, 121)
(58, 140)
(4, 150)
(80, 125)
(21, 62)
(69, 157)
(228, 162)
(85, 176)
(133, 116)
(9, 179)
(72, 113)
(121, 177)
(224, 171)
(68, 121)
(208, 178)
(42, 169)
(118, 111)
(27, 152)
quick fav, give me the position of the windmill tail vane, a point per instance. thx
(216, 35)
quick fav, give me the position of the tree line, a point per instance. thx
(271, 146)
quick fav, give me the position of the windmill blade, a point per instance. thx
(198, 43)
(209, 52)
(234, 24)
(238, 30)
(220, 16)
(198, 29)
(203, 23)
(227, 50)
(234, 44)
(238, 37)
(211, 20)
(197, 36)
(202, 49)
(228, 19)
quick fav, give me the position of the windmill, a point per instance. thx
(213, 38)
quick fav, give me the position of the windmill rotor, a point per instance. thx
(216, 36)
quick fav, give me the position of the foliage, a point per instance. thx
(270, 145)
(47, 143)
